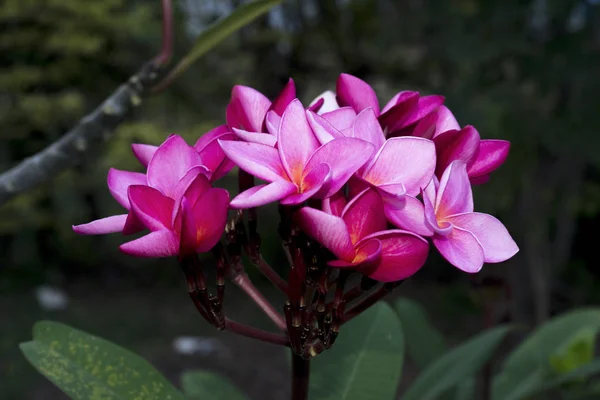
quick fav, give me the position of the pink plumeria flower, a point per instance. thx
(359, 239)
(465, 238)
(207, 146)
(453, 143)
(403, 110)
(299, 168)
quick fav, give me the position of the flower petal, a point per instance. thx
(204, 223)
(491, 234)
(425, 128)
(461, 249)
(112, 224)
(133, 224)
(329, 102)
(407, 160)
(393, 194)
(263, 194)
(213, 156)
(272, 121)
(411, 217)
(367, 257)
(194, 181)
(441, 228)
(454, 195)
(285, 97)
(143, 152)
(161, 243)
(356, 93)
(329, 230)
(364, 215)
(296, 142)
(119, 181)
(257, 159)
(256, 137)
(152, 208)
(367, 128)
(341, 119)
(210, 136)
(335, 204)
(456, 145)
(345, 156)
(324, 131)
(401, 113)
(492, 154)
(314, 184)
(445, 122)
(400, 97)
(247, 109)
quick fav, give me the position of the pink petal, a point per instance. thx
(247, 109)
(170, 163)
(133, 224)
(407, 160)
(151, 207)
(401, 113)
(364, 215)
(461, 249)
(456, 145)
(119, 181)
(204, 223)
(446, 121)
(356, 93)
(393, 194)
(314, 184)
(402, 254)
(324, 131)
(285, 97)
(345, 156)
(454, 195)
(213, 156)
(272, 121)
(491, 234)
(223, 169)
(316, 104)
(341, 118)
(263, 194)
(367, 128)
(367, 257)
(424, 106)
(328, 100)
(329, 230)
(210, 136)
(399, 98)
(259, 160)
(194, 181)
(155, 244)
(335, 204)
(411, 217)
(296, 142)
(426, 127)
(492, 154)
(112, 224)
(427, 105)
(256, 137)
(440, 228)
(143, 152)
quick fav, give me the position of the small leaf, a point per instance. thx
(577, 351)
(219, 31)
(366, 361)
(424, 343)
(456, 366)
(203, 385)
(577, 375)
(87, 367)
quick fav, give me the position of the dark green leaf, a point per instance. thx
(203, 385)
(89, 368)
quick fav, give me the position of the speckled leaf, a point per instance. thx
(366, 361)
(202, 385)
(87, 367)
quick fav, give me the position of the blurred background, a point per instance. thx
(527, 71)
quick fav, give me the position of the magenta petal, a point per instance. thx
(119, 181)
(411, 217)
(367, 128)
(364, 215)
(426, 127)
(212, 155)
(341, 118)
(454, 194)
(335, 204)
(155, 244)
(314, 184)
(151, 207)
(170, 163)
(196, 176)
(400, 97)
(133, 224)
(204, 223)
(296, 142)
(402, 254)
(272, 121)
(263, 194)
(367, 257)
(329, 230)
(407, 160)
(431, 222)
(257, 159)
(285, 97)
(316, 104)
(401, 113)
(446, 121)
(461, 249)
(143, 152)
(492, 154)
(247, 109)
(324, 131)
(325, 102)
(112, 224)
(491, 234)
(460, 145)
(426, 105)
(393, 194)
(210, 136)
(356, 93)
(256, 137)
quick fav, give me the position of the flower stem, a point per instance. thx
(300, 377)
(271, 275)
(370, 300)
(255, 333)
(243, 281)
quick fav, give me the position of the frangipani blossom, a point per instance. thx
(357, 237)
(465, 238)
(299, 168)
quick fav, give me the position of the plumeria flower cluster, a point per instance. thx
(361, 189)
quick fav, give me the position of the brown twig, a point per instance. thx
(271, 275)
(300, 377)
(255, 333)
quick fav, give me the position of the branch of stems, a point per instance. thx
(369, 300)
(300, 377)
(243, 282)
(93, 129)
(255, 333)
(271, 275)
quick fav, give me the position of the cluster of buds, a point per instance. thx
(362, 191)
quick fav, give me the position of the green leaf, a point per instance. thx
(578, 351)
(529, 365)
(203, 385)
(424, 343)
(456, 366)
(89, 368)
(575, 376)
(219, 31)
(366, 361)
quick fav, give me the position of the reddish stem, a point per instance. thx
(300, 377)
(271, 275)
(244, 283)
(255, 333)
(166, 50)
